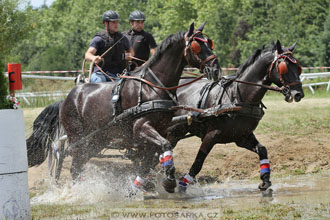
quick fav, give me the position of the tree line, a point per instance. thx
(56, 37)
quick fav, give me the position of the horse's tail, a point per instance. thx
(45, 128)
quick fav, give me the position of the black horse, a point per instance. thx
(242, 92)
(94, 118)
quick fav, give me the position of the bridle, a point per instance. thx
(193, 46)
(281, 67)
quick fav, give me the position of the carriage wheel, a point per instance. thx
(56, 157)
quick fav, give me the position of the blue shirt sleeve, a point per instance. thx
(97, 42)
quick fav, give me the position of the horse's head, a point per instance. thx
(199, 52)
(285, 72)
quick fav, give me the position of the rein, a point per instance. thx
(273, 88)
(159, 87)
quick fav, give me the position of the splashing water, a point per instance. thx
(95, 185)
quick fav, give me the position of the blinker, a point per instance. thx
(282, 68)
(195, 47)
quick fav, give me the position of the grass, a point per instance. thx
(264, 211)
(311, 115)
(29, 85)
(59, 211)
(281, 211)
(29, 116)
(43, 85)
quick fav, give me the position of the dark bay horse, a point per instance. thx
(274, 64)
(93, 118)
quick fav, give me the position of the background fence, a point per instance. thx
(30, 97)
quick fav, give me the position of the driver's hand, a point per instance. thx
(128, 56)
(97, 59)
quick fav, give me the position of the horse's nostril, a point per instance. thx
(298, 97)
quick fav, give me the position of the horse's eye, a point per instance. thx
(195, 47)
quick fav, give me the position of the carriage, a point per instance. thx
(150, 120)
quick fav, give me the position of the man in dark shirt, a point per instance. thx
(142, 42)
(114, 61)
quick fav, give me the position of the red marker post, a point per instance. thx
(14, 76)
(15, 80)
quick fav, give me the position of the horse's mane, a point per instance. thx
(169, 41)
(254, 57)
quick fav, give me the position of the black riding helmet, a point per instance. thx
(137, 16)
(110, 16)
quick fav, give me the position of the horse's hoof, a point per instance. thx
(149, 187)
(265, 185)
(169, 185)
(182, 189)
(267, 193)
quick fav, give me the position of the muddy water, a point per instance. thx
(305, 190)
(309, 189)
(110, 190)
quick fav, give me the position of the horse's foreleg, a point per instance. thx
(252, 144)
(205, 148)
(143, 130)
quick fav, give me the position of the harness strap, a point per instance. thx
(251, 111)
(206, 60)
(160, 83)
(145, 108)
(205, 92)
(140, 88)
(244, 110)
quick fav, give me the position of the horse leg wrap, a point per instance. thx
(264, 174)
(166, 161)
(264, 166)
(184, 182)
(139, 183)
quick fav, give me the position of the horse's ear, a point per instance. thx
(201, 27)
(279, 47)
(292, 47)
(191, 30)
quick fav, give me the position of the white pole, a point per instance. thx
(14, 190)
